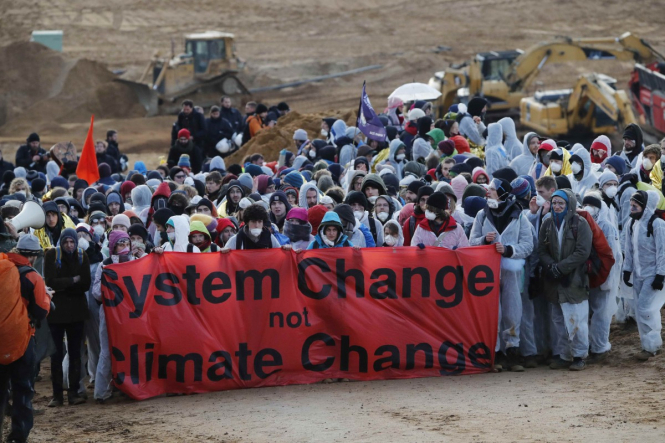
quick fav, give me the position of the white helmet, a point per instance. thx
(223, 146)
(237, 139)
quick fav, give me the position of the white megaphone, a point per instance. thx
(32, 216)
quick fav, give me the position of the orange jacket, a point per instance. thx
(22, 295)
(255, 125)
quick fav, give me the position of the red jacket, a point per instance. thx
(406, 228)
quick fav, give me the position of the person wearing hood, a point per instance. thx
(542, 163)
(114, 203)
(397, 156)
(421, 149)
(609, 186)
(298, 229)
(230, 205)
(326, 126)
(601, 148)
(495, 154)
(645, 263)
(126, 193)
(279, 208)
(633, 144)
(438, 228)
(528, 157)
(419, 208)
(373, 186)
(384, 209)
(480, 176)
(185, 145)
(559, 162)
(511, 143)
(435, 136)
(120, 252)
(55, 223)
(360, 205)
(359, 235)
(411, 126)
(603, 299)
(564, 245)
(330, 234)
(255, 234)
(502, 223)
(392, 234)
(309, 195)
(471, 123)
(67, 272)
(141, 198)
(177, 233)
(355, 180)
(141, 245)
(226, 228)
(199, 236)
(582, 178)
(648, 165)
(337, 132)
(158, 201)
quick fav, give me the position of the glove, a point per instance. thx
(421, 245)
(626, 279)
(657, 284)
(553, 272)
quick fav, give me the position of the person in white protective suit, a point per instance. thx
(511, 144)
(528, 158)
(502, 223)
(495, 154)
(645, 262)
(603, 299)
(582, 179)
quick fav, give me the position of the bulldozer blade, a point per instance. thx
(148, 97)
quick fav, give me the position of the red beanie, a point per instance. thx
(184, 133)
(461, 144)
(315, 215)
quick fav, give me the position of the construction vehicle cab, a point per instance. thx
(594, 106)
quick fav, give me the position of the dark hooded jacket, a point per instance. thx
(195, 155)
(216, 129)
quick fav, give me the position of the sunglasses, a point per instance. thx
(180, 176)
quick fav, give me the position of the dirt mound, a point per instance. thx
(43, 86)
(270, 141)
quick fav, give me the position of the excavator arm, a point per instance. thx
(597, 89)
(628, 47)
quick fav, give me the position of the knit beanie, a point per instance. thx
(122, 220)
(184, 161)
(459, 184)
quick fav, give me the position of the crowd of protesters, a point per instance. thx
(577, 227)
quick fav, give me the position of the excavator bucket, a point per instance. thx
(148, 97)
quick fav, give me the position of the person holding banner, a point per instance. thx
(255, 234)
(331, 234)
(438, 228)
(502, 223)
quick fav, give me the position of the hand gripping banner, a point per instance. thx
(185, 323)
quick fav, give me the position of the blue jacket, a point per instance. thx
(330, 219)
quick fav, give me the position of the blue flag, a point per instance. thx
(368, 122)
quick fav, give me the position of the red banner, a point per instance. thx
(184, 323)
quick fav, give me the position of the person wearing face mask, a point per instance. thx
(384, 209)
(649, 165)
(438, 228)
(397, 156)
(563, 254)
(177, 232)
(502, 224)
(645, 263)
(67, 271)
(603, 299)
(255, 234)
(120, 252)
(609, 186)
(633, 140)
(141, 245)
(330, 234)
(298, 229)
(559, 163)
(392, 234)
(542, 161)
(582, 178)
(326, 125)
(359, 205)
(359, 235)
(419, 208)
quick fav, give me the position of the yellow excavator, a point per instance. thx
(502, 77)
(594, 106)
(206, 70)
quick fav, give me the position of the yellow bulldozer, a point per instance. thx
(593, 107)
(502, 77)
(206, 70)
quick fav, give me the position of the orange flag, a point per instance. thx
(87, 168)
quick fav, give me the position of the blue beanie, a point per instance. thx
(307, 175)
(253, 170)
(184, 161)
(532, 183)
(295, 179)
(520, 187)
(139, 166)
(473, 205)
(617, 163)
(60, 182)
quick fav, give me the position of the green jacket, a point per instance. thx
(571, 259)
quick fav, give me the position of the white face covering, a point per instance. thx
(372, 200)
(358, 214)
(324, 133)
(576, 168)
(492, 203)
(390, 240)
(400, 157)
(383, 216)
(328, 242)
(611, 192)
(255, 232)
(84, 244)
(592, 210)
(22, 193)
(171, 235)
(556, 167)
(429, 215)
(646, 163)
(312, 154)
(99, 230)
(540, 201)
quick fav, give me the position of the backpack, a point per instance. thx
(15, 327)
(600, 261)
(658, 213)
(58, 256)
(412, 225)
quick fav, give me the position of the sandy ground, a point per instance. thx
(619, 401)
